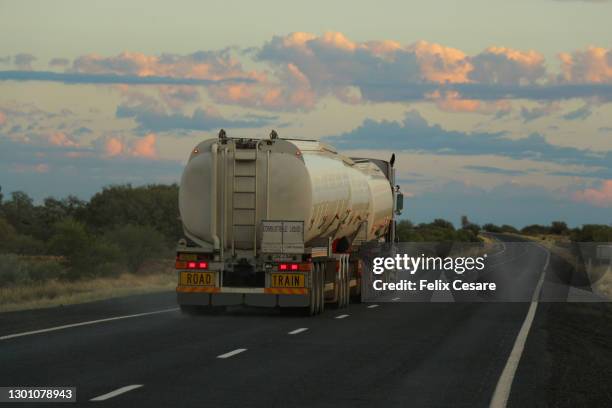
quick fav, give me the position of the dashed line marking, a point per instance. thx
(232, 353)
(372, 306)
(67, 326)
(116, 392)
(395, 299)
(297, 331)
(342, 316)
(504, 384)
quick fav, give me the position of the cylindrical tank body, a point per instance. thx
(229, 186)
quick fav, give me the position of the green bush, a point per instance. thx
(44, 270)
(12, 271)
(16, 270)
(87, 255)
(509, 228)
(489, 227)
(592, 233)
(137, 244)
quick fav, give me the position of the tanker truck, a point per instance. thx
(277, 223)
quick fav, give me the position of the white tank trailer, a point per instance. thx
(278, 223)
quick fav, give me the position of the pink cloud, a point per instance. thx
(451, 101)
(214, 65)
(599, 197)
(591, 65)
(113, 146)
(61, 139)
(501, 65)
(441, 64)
(145, 147)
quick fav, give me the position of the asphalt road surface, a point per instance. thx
(387, 354)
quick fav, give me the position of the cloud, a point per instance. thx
(599, 197)
(59, 62)
(506, 66)
(495, 170)
(108, 79)
(296, 71)
(177, 97)
(113, 146)
(211, 65)
(24, 61)
(152, 119)
(43, 170)
(502, 204)
(579, 114)
(387, 71)
(593, 65)
(38, 168)
(61, 139)
(451, 101)
(145, 147)
(414, 133)
(539, 111)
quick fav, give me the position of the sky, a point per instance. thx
(497, 110)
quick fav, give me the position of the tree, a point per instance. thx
(558, 228)
(152, 205)
(489, 227)
(7, 236)
(19, 212)
(137, 244)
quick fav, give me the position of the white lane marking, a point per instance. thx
(504, 384)
(232, 353)
(118, 391)
(395, 299)
(372, 306)
(341, 316)
(67, 326)
(300, 330)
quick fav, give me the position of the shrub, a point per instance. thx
(12, 270)
(592, 233)
(558, 228)
(137, 244)
(509, 228)
(489, 227)
(44, 270)
(535, 229)
(16, 270)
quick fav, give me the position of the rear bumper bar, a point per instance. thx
(260, 299)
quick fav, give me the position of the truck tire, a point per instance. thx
(312, 307)
(321, 272)
(346, 286)
(315, 287)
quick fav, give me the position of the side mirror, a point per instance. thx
(399, 202)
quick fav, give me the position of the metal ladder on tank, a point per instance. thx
(244, 201)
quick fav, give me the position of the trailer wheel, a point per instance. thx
(321, 272)
(346, 287)
(315, 287)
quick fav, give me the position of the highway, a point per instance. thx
(139, 351)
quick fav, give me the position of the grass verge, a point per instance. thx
(54, 293)
(601, 276)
